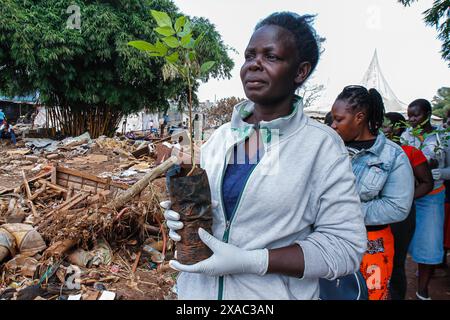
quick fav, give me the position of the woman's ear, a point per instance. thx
(360, 117)
(302, 72)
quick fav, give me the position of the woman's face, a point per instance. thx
(271, 71)
(346, 122)
(417, 116)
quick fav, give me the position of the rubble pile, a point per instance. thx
(63, 235)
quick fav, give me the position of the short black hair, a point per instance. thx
(424, 104)
(306, 39)
(358, 97)
(396, 118)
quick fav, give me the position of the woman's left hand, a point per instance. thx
(226, 259)
(437, 174)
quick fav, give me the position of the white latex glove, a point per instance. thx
(226, 259)
(436, 174)
(173, 219)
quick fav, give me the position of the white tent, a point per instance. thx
(373, 78)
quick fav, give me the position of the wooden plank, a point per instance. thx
(88, 188)
(54, 186)
(90, 177)
(40, 190)
(53, 175)
(61, 175)
(75, 186)
(63, 183)
(75, 179)
(27, 187)
(74, 202)
(140, 152)
(90, 183)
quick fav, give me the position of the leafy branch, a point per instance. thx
(179, 49)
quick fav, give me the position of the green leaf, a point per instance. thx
(142, 45)
(186, 29)
(162, 18)
(173, 58)
(206, 66)
(172, 42)
(199, 39)
(181, 21)
(165, 31)
(155, 54)
(190, 56)
(161, 48)
(186, 40)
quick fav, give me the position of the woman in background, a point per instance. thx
(427, 245)
(384, 179)
(403, 231)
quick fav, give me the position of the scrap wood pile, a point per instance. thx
(63, 220)
(123, 159)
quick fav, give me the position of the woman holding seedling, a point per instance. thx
(427, 245)
(403, 231)
(384, 179)
(287, 210)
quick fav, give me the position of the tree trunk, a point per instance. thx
(137, 188)
(73, 121)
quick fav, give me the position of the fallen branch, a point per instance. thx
(137, 188)
(136, 262)
(27, 187)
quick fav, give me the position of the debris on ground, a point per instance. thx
(73, 226)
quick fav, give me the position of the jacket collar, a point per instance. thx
(377, 148)
(282, 127)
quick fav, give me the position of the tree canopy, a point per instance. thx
(441, 102)
(438, 16)
(92, 66)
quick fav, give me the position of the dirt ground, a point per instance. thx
(439, 286)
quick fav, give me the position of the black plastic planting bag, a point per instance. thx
(191, 198)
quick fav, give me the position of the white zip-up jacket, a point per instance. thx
(302, 191)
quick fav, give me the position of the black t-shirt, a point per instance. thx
(360, 145)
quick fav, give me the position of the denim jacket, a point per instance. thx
(384, 182)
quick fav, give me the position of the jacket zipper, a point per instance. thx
(228, 222)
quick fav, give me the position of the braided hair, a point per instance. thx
(369, 101)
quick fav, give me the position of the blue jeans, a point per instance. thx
(8, 135)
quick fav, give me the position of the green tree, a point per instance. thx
(438, 16)
(88, 77)
(441, 102)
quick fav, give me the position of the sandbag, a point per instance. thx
(7, 244)
(28, 240)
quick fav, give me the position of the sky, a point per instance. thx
(408, 50)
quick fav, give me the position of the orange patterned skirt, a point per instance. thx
(377, 263)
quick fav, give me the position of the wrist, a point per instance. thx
(259, 261)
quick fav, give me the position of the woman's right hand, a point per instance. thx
(172, 220)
